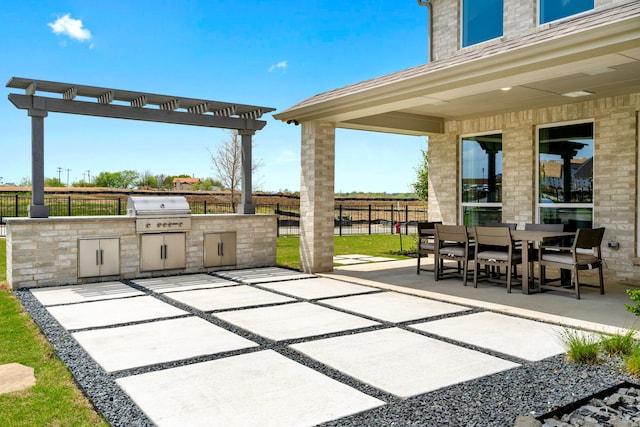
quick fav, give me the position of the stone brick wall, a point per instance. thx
(316, 196)
(44, 252)
(615, 170)
(520, 19)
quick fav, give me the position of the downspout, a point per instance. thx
(429, 26)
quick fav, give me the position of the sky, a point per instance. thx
(272, 53)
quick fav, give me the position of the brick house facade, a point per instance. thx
(581, 69)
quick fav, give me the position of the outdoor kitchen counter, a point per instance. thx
(45, 251)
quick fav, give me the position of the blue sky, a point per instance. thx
(270, 53)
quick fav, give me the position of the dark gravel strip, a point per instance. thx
(98, 386)
(531, 389)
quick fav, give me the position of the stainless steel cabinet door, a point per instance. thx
(98, 257)
(219, 249)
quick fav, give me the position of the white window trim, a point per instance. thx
(539, 205)
(461, 203)
(461, 28)
(539, 13)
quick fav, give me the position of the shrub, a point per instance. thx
(581, 347)
(618, 344)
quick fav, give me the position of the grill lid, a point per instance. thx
(158, 206)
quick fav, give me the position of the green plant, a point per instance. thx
(581, 347)
(632, 362)
(634, 295)
(618, 344)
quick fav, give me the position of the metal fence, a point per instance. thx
(348, 219)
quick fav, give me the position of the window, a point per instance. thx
(481, 21)
(565, 180)
(481, 179)
(552, 10)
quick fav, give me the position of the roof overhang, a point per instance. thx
(602, 60)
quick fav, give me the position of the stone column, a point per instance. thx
(316, 196)
(37, 209)
(246, 205)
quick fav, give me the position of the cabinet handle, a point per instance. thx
(97, 256)
(221, 248)
(165, 251)
(101, 257)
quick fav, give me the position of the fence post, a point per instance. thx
(17, 203)
(277, 212)
(392, 221)
(119, 206)
(340, 220)
(205, 206)
(406, 220)
(369, 220)
(68, 205)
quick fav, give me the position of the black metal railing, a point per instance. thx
(348, 219)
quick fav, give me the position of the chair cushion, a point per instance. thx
(428, 246)
(455, 251)
(567, 258)
(499, 256)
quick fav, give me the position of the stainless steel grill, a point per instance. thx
(160, 214)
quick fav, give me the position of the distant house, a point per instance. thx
(184, 183)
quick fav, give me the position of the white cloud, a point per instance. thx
(70, 27)
(282, 65)
(286, 156)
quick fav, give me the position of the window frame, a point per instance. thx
(461, 203)
(539, 9)
(462, 26)
(538, 204)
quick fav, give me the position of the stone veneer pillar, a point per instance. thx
(316, 196)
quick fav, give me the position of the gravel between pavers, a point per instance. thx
(496, 400)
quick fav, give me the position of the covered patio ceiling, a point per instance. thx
(539, 70)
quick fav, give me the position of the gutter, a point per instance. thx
(429, 26)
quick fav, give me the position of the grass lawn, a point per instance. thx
(55, 400)
(383, 245)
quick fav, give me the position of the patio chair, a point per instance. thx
(425, 244)
(494, 248)
(584, 254)
(533, 248)
(452, 243)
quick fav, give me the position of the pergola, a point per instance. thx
(125, 104)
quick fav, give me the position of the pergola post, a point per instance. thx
(246, 205)
(37, 209)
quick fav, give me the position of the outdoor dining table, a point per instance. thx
(533, 236)
(526, 237)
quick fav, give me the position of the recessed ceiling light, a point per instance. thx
(596, 71)
(505, 88)
(577, 93)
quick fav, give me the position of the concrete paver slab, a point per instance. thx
(183, 283)
(257, 389)
(226, 298)
(379, 259)
(523, 338)
(82, 293)
(133, 346)
(401, 362)
(319, 287)
(394, 307)
(294, 321)
(112, 312)
(348, 261)
(263, 275)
